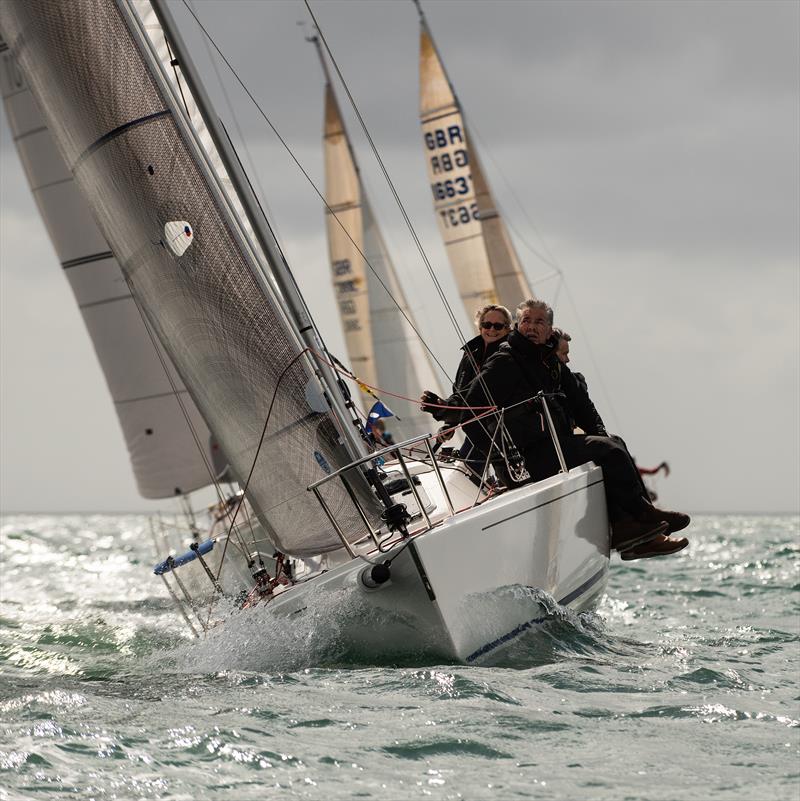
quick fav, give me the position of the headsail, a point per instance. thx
(165, 457)
(124, 134)
(484, 263)
(383, 348)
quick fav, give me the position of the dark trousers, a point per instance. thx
(622, 481)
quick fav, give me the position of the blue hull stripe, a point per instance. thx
(484, 649)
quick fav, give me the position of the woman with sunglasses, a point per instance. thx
(494, 324)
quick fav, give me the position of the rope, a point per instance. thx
(255, 458)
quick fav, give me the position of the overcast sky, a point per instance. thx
(650, 148)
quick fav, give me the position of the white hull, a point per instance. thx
(454, 590)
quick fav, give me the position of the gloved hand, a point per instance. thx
(428, 398)
(445, 434)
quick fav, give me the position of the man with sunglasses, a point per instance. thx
(525, 365)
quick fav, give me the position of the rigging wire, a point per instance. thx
(551, 261)
(403, 212)
(389, 182)
(240, 133)
(192, 429)
(310, 180)
(386, 175)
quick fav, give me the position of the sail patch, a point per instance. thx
(178, 236)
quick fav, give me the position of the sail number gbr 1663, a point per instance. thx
(451, 157)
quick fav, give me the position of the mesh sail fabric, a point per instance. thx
(227, 336)
(165, 458)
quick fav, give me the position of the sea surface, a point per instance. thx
(682, 685)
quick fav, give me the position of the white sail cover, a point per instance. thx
(125, 137)
(383, 347)
(165, 457)
(482, 257)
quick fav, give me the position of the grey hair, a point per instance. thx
(484, 310)
(532, 303)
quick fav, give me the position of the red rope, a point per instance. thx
(355, 378)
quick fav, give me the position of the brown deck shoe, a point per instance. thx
(677, 521)
(628, 533)
(662, 546)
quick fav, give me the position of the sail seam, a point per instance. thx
(438, 115)
(152, 397)
(16, 92)
(103, 302)
(348, 206)
(107, 137)
(52, 183)
(81, 260)
(21, 136)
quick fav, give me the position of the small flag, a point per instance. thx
(377, 411)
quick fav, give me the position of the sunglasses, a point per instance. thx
(497, 326)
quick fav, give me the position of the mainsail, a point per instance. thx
(383, 348)
(199, 277)
(484, 263)
(169, 453)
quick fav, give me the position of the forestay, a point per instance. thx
(383, 348)
(126, 140)
(166, 458)
(482, 257)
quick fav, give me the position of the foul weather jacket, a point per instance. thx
(510, 379)
(476, 354)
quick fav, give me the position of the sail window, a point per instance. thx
(178, 236)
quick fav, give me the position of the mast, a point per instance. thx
(279, 269)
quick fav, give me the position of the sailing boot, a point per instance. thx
(627, 533)
(677, 521)
(660, 546)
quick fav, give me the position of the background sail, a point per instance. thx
(123, 134)
(343, 193)
(165, 458)
(398, 361)
(485, 266)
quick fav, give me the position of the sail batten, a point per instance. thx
(208, 302)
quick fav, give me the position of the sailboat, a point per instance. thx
(482, 256)
(382, 338)
(446, 568)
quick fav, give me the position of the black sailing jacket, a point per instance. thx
(513, 375)
(476, 352)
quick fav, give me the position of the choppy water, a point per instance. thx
(684, 685)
